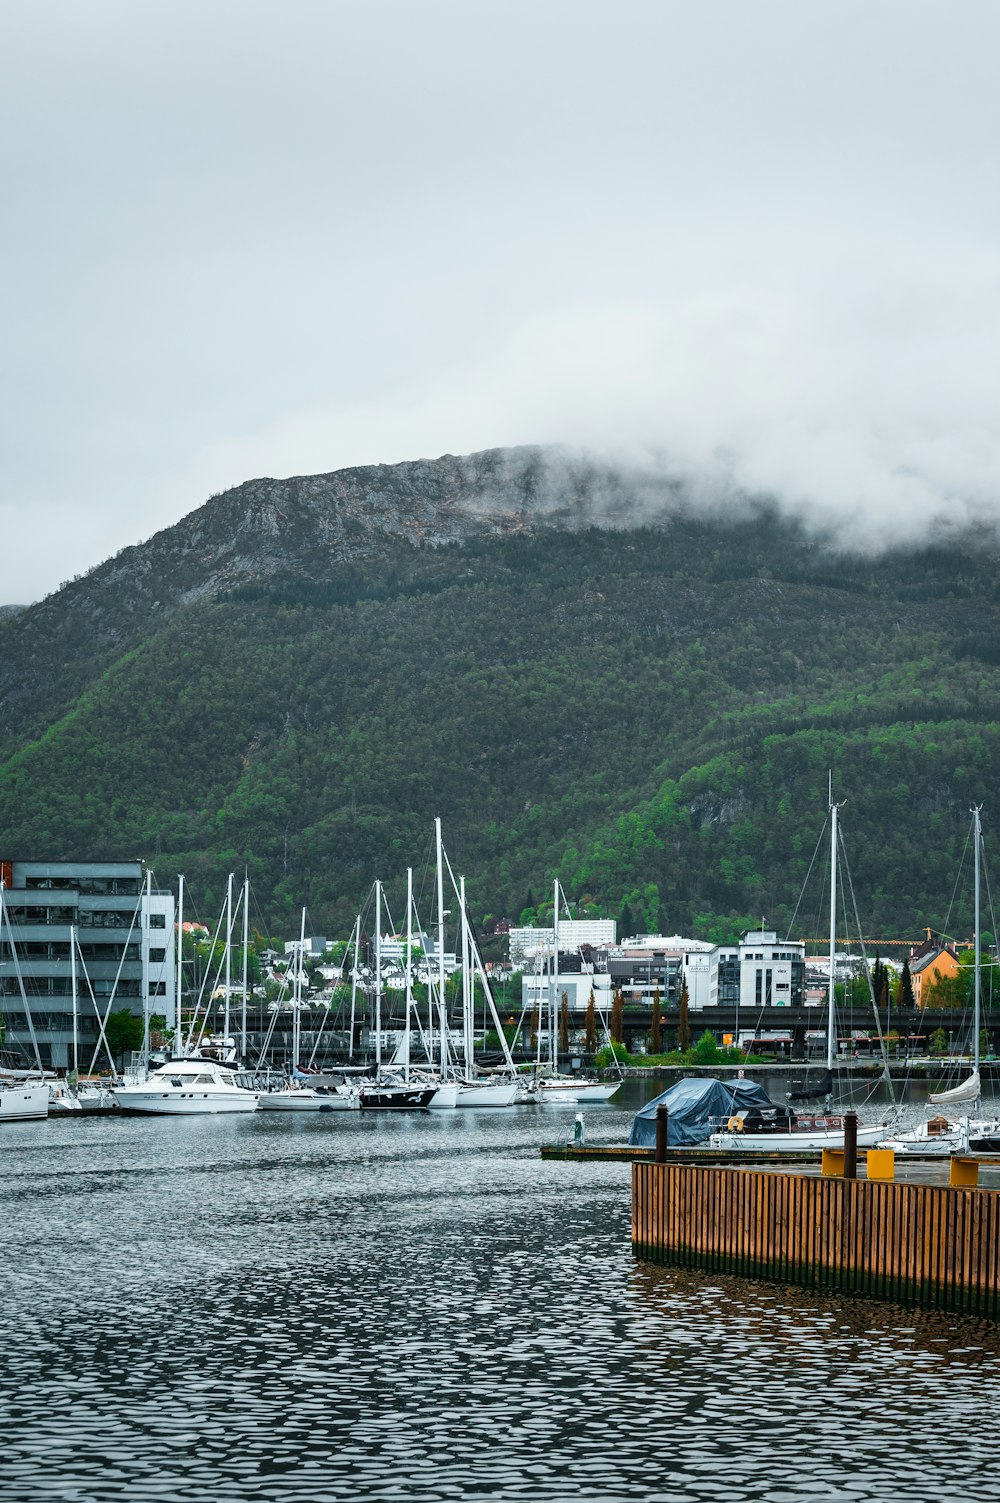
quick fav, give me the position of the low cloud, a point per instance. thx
(859, 391)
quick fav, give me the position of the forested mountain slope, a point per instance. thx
(650, 711)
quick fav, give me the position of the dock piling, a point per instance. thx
(850, 1145)
(661, 1134)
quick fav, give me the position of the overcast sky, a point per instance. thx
(245, 237)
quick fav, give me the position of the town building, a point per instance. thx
(930, 962)
(125, 959)
(528, 944)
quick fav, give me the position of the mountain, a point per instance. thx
(578, 668)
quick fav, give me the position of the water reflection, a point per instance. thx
(421, 1308)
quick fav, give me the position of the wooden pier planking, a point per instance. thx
(917, 1244)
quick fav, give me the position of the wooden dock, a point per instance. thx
(930, 1245)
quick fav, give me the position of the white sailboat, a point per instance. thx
(953, 1131)
(298, 1095)
(553, 1089)
(389, 1090)
(24, 1094)
(203, 1081)
(743, 1134)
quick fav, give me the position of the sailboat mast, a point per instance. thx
(297, 996)
(76, 1007)
(978, 967)
(554, 996)
(409, 973)
(228, 953)
(442, 1009)
(354, 985)
(467, 1021)
(178, 1049)
(146, 966)
(831, 1040)
(378, 975)
(243, 984)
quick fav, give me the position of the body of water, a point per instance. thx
(416, 1308)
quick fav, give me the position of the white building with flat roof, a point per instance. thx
(528, 943)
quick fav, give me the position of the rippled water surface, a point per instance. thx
(417, 1308)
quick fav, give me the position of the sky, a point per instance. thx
(751, 242)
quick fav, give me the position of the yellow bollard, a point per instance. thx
(880, 1163)
(964, 1173)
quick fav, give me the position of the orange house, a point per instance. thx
(929, 962)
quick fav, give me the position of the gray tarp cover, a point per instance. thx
(695, 1108)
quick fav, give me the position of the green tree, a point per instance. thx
(618, 1018)
(706, 1050)
(904, 992)
(655, 1030)
(564, 1024)
(124, 1033)
(938, 1042)
(683, 1018)
(590, 1040)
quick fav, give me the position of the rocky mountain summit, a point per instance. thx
(304, 527)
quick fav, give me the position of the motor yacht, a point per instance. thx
(187, 1087)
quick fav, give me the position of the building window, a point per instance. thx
(157, 988)
(157, 920)
(157, 957)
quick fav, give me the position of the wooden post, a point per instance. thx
(850, 1145)
(661, 1135)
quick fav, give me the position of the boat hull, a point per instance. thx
(309, 1101)
(583, 1092)
(140, 1101)
(794, 1142)
(489, 1093)
(28, 1102)
(445, 1098)
(396, 1098)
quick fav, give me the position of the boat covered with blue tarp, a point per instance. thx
(695, 1108)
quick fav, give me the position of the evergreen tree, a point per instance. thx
(683, 1020)
(534, 1028)
(626, 923)
(617, 1018)
(590, 1041)
(655, 1031)
(904, 995)
(564, 1024)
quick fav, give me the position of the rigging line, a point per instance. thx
(114, 986)
(868, 976)
(219, 969)
(20, 981)
(958, 877)
(819, 841)
(102, 1037)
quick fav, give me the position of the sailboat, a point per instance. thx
(298, 1095)
(945, 1133)
(203, 1078)
(752, 1130)
(24, 1094)
(553, 1089)
(387, 1091)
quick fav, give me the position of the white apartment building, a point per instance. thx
(528, 944)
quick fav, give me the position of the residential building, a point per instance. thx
(528, 944)
(930, 962)
(126, 956)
